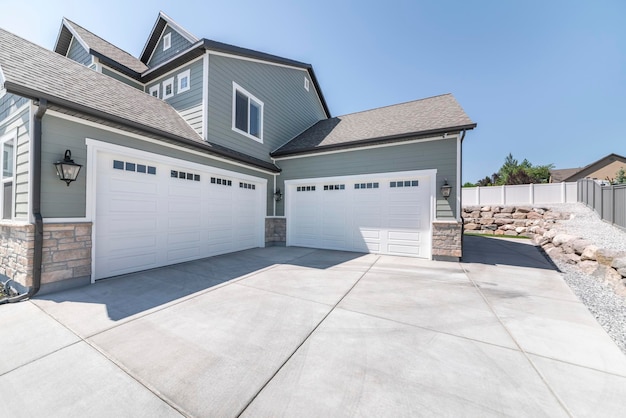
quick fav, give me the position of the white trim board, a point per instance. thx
(18, 112)
(96, 125)
(391, 144)
(69, 27)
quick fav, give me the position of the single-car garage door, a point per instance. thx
(387, 213)
(152, 213)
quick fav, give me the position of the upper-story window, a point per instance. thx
(247, 114)
(154, 91)
(167, 41)
(183, 81)
(306, 84)
(168, 88)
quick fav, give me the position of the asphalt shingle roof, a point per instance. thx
(99, 45)
(35, 72)
(430, 115)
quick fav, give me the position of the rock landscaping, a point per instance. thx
(510, 220)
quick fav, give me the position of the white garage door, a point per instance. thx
(383, 214)
(151, 214)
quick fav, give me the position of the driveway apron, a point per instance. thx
(309, 333)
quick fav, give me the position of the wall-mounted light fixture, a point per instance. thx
(67, 170)
(278, 195)
(446, 189)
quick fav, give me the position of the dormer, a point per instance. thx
(166, 40)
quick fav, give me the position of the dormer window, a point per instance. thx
(167, 41)
(247, 114)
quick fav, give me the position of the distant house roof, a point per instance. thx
(35, 72)
(98, 47)
(573, 174)
(420, 118)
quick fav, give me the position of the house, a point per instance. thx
(198, 148)
(604, 169)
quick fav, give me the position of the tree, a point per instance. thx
(620, 176)
(469, 184)
(513, 172)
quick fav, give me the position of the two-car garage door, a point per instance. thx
(386, 214)
(152, 212)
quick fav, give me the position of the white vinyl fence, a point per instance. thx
(523, 194)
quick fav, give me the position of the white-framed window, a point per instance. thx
(306, 84)
(168, 88)
(184, 79)
(247, 113)
(154, 91)
(167, 41)
(8, 173)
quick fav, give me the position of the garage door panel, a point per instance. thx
(150, 220)
(362, 217)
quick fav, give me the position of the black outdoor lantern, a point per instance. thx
(446, 189)
(67, 170)
(278, 196)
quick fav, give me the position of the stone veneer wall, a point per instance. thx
(447, 240)
(275, 232)
(66, 253)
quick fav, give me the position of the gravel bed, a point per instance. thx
(608, 307)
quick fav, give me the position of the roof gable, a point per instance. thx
(97, 46)
(430, 116)
(156, 34)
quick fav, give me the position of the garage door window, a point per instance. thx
(362, 186)
(305, 189)
(405, 183)
(222, 182)
(334, 187)
(134, 167)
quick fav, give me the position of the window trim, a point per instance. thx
(167, 41)
(250, 96)
(180, 77)
(12, 137)
(157, 88)
(165, 84)
(306, 83)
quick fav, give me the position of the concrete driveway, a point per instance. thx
(310, 333)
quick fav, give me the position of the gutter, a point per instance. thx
(36, 207)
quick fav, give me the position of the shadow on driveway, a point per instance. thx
(502, 251)
(130, 294)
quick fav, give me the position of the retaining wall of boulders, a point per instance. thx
(509, 220)
(540, 224)
(604, 264)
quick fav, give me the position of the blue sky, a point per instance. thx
(544, 80)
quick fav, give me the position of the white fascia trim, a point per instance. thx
(145, 73)
(239, 57)
(169, 73)
(157, 44)
(182, 31)
(163, 159)
(75, 36)
(18, 112)
(121, 74)
(180, 76)
(75, 119)
(255, 99)
(384, 176)
(392, 144)
(165, 83)
(205, 96)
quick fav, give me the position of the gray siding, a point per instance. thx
(9, 103)
(78, 53)
(179, 44)
(288, 108)
(60, 201)
(188, 103)
(121, 78)
(20, 125)
(439, 155)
